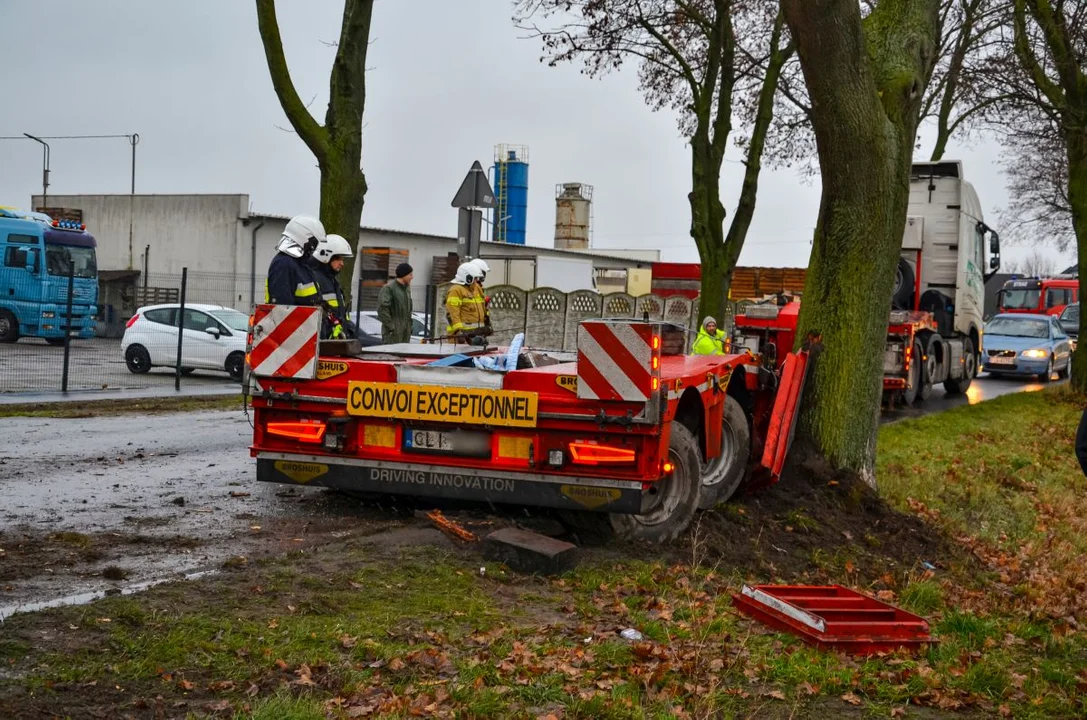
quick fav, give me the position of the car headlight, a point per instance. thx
(1036, 353)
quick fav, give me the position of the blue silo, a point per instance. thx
(511, 194)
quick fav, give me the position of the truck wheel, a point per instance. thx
(235, 365)
(675, 497)
(902, 298)
(970, 366)
(722, 475)
(138, 359)
(9, 327)
(915, 379)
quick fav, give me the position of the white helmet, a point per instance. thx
(466, 274)
(482, 268)
(302, 232)
(333, 246)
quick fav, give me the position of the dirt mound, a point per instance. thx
(814, 523)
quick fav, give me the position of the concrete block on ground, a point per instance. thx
(529, 552)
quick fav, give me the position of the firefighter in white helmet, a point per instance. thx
(290, 279)
(480, 275)
(326, 262)
(464, 309)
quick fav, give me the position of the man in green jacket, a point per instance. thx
(394, 307)
(710, 340)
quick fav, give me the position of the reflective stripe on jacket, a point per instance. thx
(706, 344)
(464, 309)
(290, 282)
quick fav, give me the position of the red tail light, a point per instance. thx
(307, 432)
(131, 320)
(592, 454)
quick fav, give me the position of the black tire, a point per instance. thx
(970, 360)
(914, 380)
(138, 359)
(676, 495)
(235, 365)
(1047, 376)
(928, 370)
(723, 475)
(1066, 370)
(902, 299)
(9, 327)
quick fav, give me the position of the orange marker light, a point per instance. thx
(656, 342)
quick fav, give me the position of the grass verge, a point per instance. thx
(360, 630)
(142, 406)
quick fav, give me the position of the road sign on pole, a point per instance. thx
(469, 225)
(475, 191)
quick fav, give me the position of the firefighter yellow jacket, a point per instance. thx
(464, 309)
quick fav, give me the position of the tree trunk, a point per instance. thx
(343, 188)
(1076, 140)
(708, 226)
(337, 144)
(865, 82)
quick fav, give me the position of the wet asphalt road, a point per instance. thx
(983, 388)
(32, 365)
(168, 477)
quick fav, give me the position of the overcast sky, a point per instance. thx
(448, 81)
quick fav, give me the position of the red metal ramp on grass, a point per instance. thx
(834, 617)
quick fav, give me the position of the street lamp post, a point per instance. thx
(45, 168)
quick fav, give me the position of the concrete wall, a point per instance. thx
(549, 317)
(201, 232)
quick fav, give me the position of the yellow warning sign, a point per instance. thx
(722, 380)
(301, 472)
(591, 497)
(437, 403)
(567, 382)
(330, 368)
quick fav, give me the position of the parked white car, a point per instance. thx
(369, 324)
(215, 338)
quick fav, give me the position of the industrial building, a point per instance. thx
(144, 242)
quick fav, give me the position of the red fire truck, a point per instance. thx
(628, 426)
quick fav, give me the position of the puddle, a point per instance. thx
(89, 597)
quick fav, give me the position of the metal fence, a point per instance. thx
(192, 331)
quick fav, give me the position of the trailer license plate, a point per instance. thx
(460, 442)
(997, 360)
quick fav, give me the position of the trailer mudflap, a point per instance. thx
(450, 482)
(779, 435)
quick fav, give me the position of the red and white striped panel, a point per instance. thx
(285, 341)
(615, 361)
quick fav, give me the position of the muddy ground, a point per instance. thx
(116, 504)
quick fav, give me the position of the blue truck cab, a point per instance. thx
(36, 254)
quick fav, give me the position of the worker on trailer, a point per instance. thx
(464, 309)
(327, 261)
(290, 280)
(710, 340)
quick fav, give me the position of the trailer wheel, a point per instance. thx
(675, 499)
(970, 366)
(722, 475)
(9, 327)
